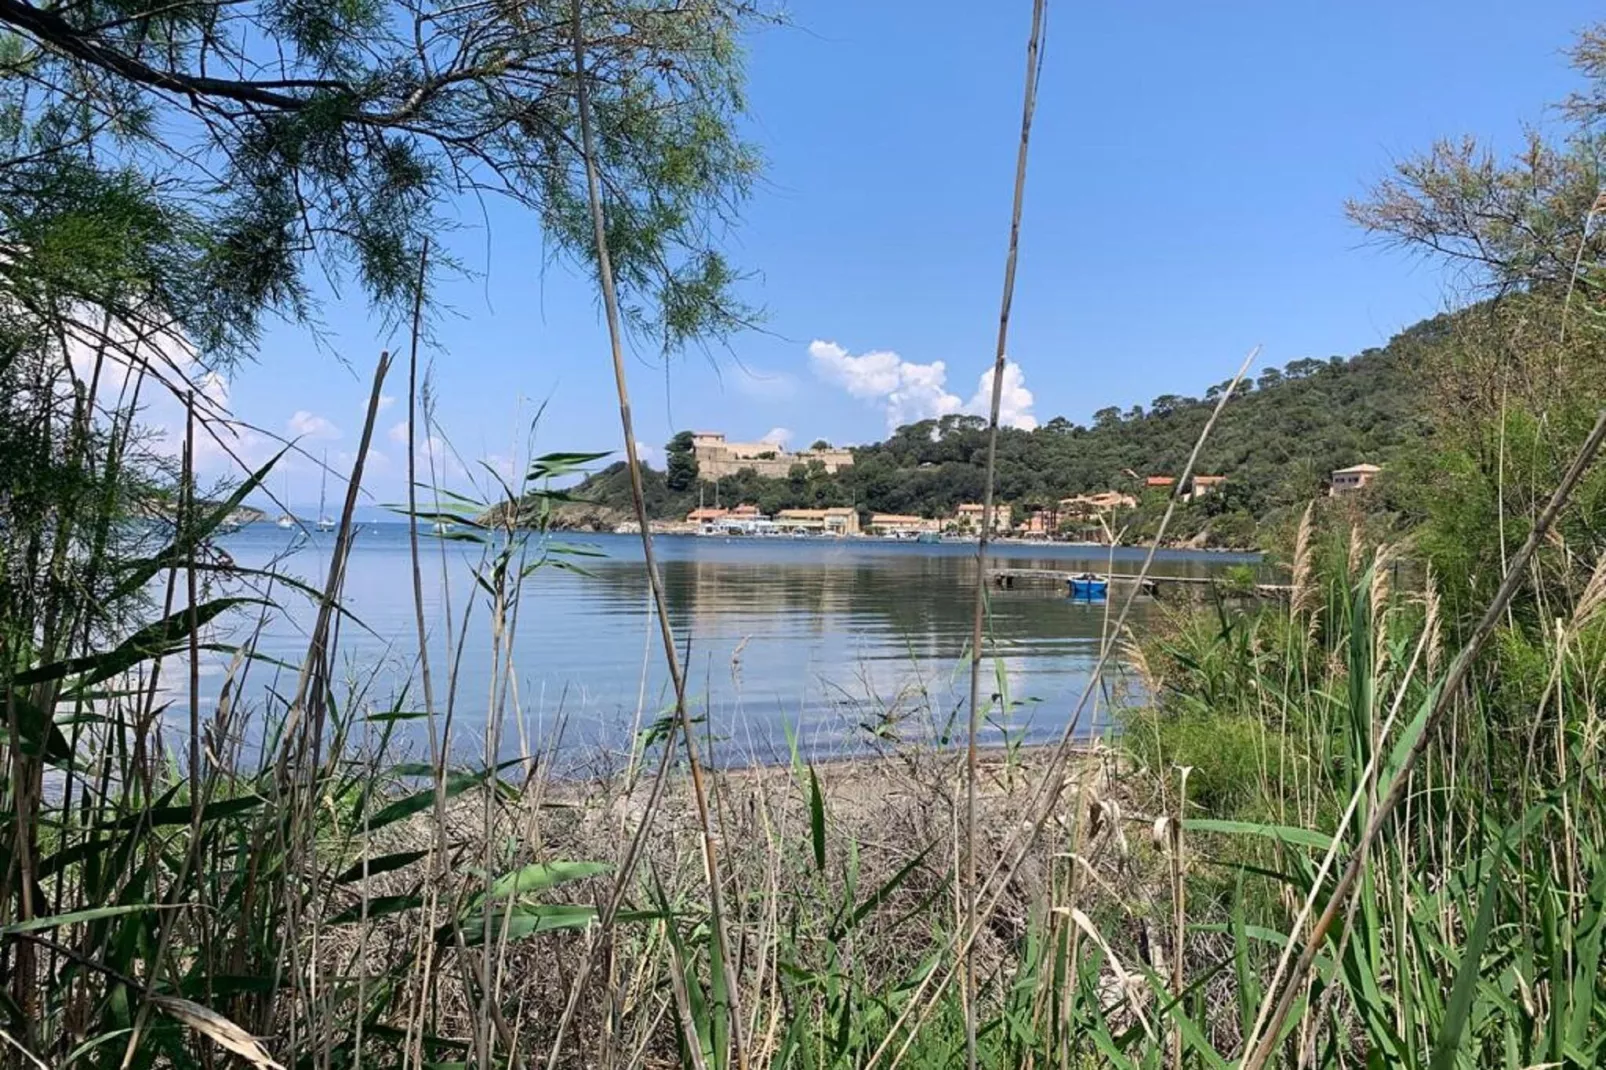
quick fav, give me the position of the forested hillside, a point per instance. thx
(1277, 443)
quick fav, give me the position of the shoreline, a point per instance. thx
(672, 528)
(677, 529)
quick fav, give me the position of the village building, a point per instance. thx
(1087, 505)
(969, 516)
(719, 459)
(742, 520)
(745, 511)
(900, 524)
(1353, 478)
(838, 521)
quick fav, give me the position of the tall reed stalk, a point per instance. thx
(979, 609)
(677, 674)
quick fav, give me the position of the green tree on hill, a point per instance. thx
(680, 471)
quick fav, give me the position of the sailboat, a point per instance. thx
(285, 520)
(324, 522)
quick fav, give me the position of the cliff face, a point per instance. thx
(588, 516)
(166, 511)
(571, 516)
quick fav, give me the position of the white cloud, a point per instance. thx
(113, 355)
(436, 458)
(1014, 403)
(502, 465)
(778, 437)
(171, 367)
(386, 401)
(343, 462)
(304, 424)
(430, 448)
(215, 388)
(223, 447)
(908, 391)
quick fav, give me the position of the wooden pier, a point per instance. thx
(1151, 585)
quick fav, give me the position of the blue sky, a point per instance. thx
(1185, 202)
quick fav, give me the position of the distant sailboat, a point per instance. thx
(324, 522)
(442, 527)
(285, 520)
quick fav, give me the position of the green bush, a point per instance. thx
(1229, 756)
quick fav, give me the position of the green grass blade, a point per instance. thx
(539, 876)
(76, 917)
(1281, 833)
(372, 867)
(817, 819)
(165, 636)
(1466, 975)
(1587, 970)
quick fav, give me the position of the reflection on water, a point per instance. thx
(841, 641)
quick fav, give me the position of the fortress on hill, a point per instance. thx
(717, 459)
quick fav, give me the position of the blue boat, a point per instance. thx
(1088, 587)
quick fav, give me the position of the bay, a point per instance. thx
(843, 645)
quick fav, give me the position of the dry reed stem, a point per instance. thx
(1303, 597)
(610, 300)
(1179, 910)
(1028, 106)
(439, 738)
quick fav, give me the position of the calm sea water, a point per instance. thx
(841, 643)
